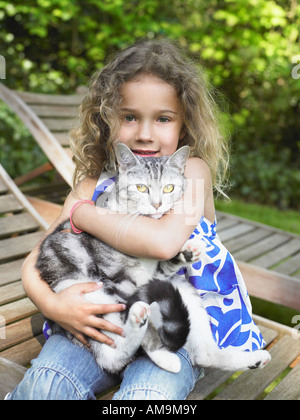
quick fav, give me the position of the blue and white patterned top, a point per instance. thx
(221, 286)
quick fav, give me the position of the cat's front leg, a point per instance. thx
(189, 254)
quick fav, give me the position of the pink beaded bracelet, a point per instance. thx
(77, 204)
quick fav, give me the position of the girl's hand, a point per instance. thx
(74, 313)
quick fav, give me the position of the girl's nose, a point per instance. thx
(145, 132)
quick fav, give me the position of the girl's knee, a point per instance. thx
(45, 383)
(143, 380)
(142, 392)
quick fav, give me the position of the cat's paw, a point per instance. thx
(260, 359)
(139, 314)
(191, 251)
(166, 360)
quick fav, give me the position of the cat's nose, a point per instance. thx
(156, 206)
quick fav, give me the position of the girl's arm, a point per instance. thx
(147, 237)
(69, 307)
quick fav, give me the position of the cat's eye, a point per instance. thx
(168, 188)
(142, 188)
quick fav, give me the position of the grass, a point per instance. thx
(288, 220)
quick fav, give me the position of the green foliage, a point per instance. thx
(248, 48)
(18, 151)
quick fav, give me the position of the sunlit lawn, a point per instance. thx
(288, 220)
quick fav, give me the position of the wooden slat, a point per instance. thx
(251, 384)
(265, 245)
(19, 223)
(3, 187)
(281, 329)
(220, 216)
(68, 151)
(19, 246)
(215, 377)
(8, 203)
(23, 353)
(290, 266)
(68, 111)
(10, 375)
(46, 99)
(271, 286)
(279, 254)
(15, 311)
(246, 240)
(226, 223)
(258, 225)
(22, 330)
(63, 138)
(58, 124)
(22, 179)
(49, 211)
(235, 231)
(288, 388)
(11, 292)
(10, 272)
(20, 196)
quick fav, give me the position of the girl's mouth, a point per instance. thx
(144, 153)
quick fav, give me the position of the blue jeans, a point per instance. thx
(65, 371)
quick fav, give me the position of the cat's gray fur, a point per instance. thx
(164, 311)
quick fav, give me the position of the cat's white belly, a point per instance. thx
(148, 267)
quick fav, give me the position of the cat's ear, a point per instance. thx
(179, 158)
(125, 157)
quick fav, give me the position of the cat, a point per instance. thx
(164, 311)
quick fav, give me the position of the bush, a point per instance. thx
(250, 50)
(19, 152)
(266, 176)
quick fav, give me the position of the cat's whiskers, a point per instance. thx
(123, 226)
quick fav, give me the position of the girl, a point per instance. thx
(154, 100)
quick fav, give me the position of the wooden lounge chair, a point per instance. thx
(21, 339)
(49, 119)
(21, 228)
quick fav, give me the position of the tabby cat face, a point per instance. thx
(150, 186)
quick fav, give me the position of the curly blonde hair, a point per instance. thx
(98, 120)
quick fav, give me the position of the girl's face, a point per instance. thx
(151, 117)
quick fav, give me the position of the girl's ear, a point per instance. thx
(182, 132)
(179, 158)
(125, 157)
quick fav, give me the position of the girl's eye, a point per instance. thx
(129, 118)
(142, 188)
(163, 119)
(168, 188)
